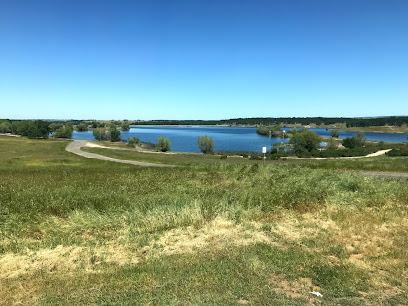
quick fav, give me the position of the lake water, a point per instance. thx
(184, 139)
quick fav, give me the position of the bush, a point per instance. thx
(132, 142)
(114, 135)
(206, 144)
(305, 141)
(163, 144)
(350, 143)
(223, 157)
(398, 152)
(360, 139)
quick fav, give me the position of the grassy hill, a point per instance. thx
(83, 231)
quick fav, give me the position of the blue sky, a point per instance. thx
(207, 59)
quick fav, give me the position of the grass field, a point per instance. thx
(81, 231)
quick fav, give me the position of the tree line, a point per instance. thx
(350, 122)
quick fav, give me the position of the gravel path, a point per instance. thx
(76, 145)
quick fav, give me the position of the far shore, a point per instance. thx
(340, 127)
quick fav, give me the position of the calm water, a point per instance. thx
(184, 139)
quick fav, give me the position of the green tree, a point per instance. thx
(305, 140)
(360, 139)
(100, 134)
(350, 143)
(37, 129)
(206, 144)
(114, 135)
(82, 127)
(125, 125)
(335, 133)
(55, 126)
(163, 144)
(5, 127)
(63, 132)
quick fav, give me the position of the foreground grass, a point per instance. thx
(80, 231)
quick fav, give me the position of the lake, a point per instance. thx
(184, 139)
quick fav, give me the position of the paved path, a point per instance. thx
(381, 174)
(76, 145)
(378, 153)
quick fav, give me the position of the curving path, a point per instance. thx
(76, 145)
(382, 174)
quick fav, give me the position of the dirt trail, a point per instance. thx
(76, 145)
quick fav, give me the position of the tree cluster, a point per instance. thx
(206, 144)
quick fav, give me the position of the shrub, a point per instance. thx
(350, 143)
(114, 135)
(163, 144)
(132, 142)
(398, 152)
(360, 139)
(305, 141)
(206, 144)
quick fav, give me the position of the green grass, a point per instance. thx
(82, 231)
(168, 158)
(381, 163)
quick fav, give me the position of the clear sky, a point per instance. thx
(209, 59)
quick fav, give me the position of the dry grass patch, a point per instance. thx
(371, 241)
(64, 259)
(215, 235)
